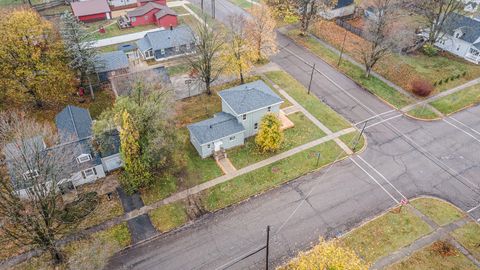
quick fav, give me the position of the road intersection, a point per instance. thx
(405, 158)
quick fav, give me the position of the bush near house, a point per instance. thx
(270, 136)
(430, 50)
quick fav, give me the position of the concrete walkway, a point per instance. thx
(123, 38)
(290, 110)
(311, 117)
(226, 166)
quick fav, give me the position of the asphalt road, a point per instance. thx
(404, 158)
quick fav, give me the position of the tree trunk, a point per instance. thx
(57, 256)
(242, 80)
(368, 71)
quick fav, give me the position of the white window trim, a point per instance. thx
(30, 174)
(177, 48)
(255, 126)
(89, 172)
(232, 138)
(244, 117)
(162, 51)
(84, 158)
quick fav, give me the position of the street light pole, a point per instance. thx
(267, 246)
(343, 48)
(213, 9)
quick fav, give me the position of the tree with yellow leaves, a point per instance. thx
(32, 60)
(137, 174)
(261, 32)
(327, 255)
(238, 53)
(270, 136)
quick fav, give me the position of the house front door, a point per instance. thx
(217, 146)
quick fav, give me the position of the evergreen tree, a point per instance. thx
(270, 136)
(79, 47)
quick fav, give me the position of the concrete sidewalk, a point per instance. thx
(123, 38)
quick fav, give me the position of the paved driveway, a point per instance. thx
(405, 158)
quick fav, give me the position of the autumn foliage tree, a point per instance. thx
(237, 53)
(270, 136)
(309, 10)
(327, 255)
(136, 172)
(32, 60)
(261, 32)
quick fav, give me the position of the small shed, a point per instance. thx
(111, 64)
(91, 10)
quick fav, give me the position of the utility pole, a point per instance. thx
(311, 78)
(343, 48)
(360, 136)
(266, 247)
(201, 5)
(213, 9)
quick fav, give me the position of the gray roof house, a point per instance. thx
(243, 107)
(461, 37)
(81, 164)
(111, 64)
(165, 44)
(343, 8)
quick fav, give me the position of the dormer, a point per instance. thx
(458, 33)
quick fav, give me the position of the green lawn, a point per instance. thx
(178, 69)
(386, 234)
(242, 3)
(268, 177)
(311, 103)
(439, 211)
(459, 100)
(169, 216)
(431, 258)
(113, 30)
(422, 112)
(352, 140)
(372, 84)
(469, 237)
(180, 10)
(303, 132)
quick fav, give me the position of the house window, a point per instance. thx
(84, 158)
(255, 126)
(30, 174)
(244, 117)
(162, 51)
(232, 138)
(148, 54)
(188, 46)
(458, 48)
(208, 146)
(269, 109)
(134, 19)
(89, 172)
(177, 48)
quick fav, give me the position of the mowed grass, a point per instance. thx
(372, 84)
(469, 236)
(268, 177)
(459, 100)
(386, 234)
(439, 211)
(422, 112)
(311, 103)
(431, 258)
(352, 140)
(303, 132)
(168, 217)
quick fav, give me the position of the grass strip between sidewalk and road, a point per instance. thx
(469, 236)
(458, 101)
(439, 211)
(372, 84)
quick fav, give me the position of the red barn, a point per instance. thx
(91, 10)
(144, 2)
(153, 13)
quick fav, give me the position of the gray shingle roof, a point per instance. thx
(90, 7)
(144, 9)
(111, 61)
(469, 26)
(73, 123)
(164, 39)
(343, 3)
(32, 145)
(250, 97)
(220, 126)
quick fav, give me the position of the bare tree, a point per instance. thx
(261, 32)
(207, 62)
(310, 9)
(384, 33)
(238, 53)
(29, 204)
(440, 15)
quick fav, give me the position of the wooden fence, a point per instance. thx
(50, 4)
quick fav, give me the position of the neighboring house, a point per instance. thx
(163, 44)
(130, 50)
(343, 8)
(111, 64)
(471, 5)
(462, 37)
(124, 4)
(153, 13)
(243, 107)
(82, 165)
(91, 10)
(144, 2)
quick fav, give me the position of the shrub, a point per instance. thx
(430, 50)
(447, 79)
(453, 78)
(422, 87)
(440, 82)
(464, 74)
(270, 136)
